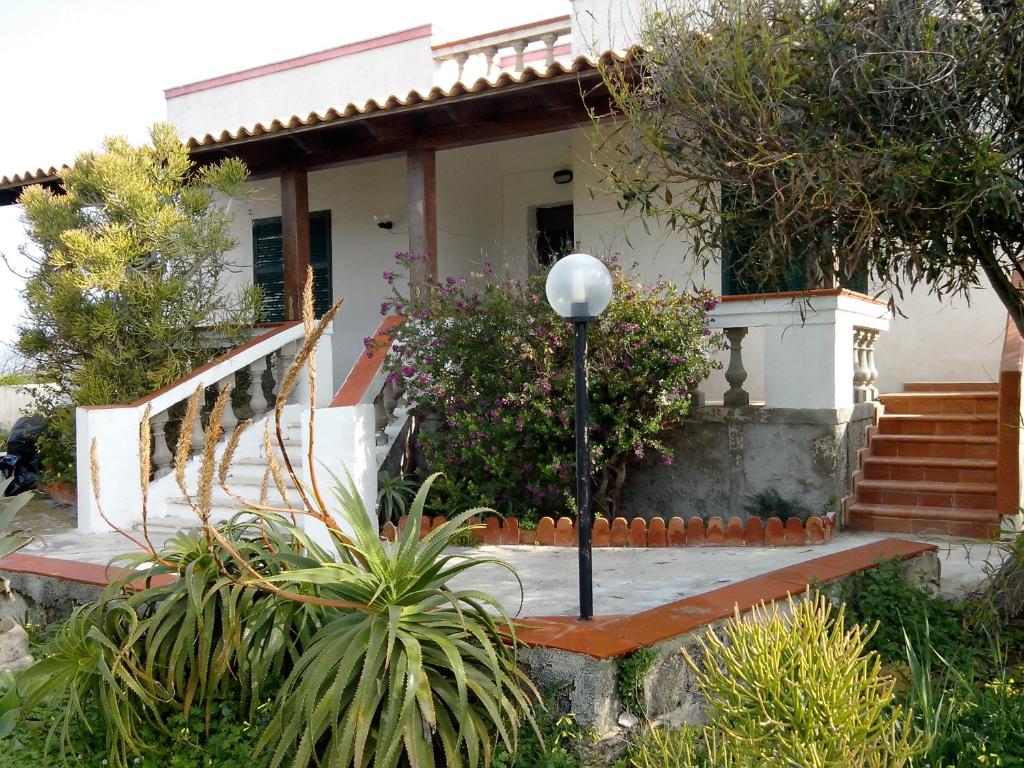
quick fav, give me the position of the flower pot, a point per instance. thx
(527, 537)
(62, 493)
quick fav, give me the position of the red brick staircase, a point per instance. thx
(930, 464)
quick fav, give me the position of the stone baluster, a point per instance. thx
(519, 46)
(861, 393)
(870, 337)
(258, 370)
(390, 395)
(228, 419)
(285, 358)
(198, 435)
(161, 455)
(380, 414)
(549, 48)
(489, 54)
(736, 374)
(461, 60)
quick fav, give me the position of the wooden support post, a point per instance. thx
(295, 236)
(421, 197)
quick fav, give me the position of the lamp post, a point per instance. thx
(579, 289)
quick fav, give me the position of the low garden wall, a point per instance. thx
(584, 661)
(723, 456)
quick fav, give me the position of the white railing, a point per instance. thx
(819, 347)
(539, 45)
(254, 370)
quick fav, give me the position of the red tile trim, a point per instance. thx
(68, 570)
(501, 32)
(640, 533)
(367, 366)
(611, 636)
(301, 61)
(803, 295)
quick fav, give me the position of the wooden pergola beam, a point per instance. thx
(421, 199)
(295, 238)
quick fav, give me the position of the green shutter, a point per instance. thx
(320, 259)
(268, 266)
(268, 263)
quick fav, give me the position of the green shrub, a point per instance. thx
(770, 504)
(393, 494)
(495, 365)
(9, 507)
(227, 741)
(796, 687)
(881, 595)
(129, 283)
(415, 669)
(655, 747)
(629, 681)
(554, 742)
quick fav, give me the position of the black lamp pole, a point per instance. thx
(583, 516)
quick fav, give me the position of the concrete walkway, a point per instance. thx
(625, 580)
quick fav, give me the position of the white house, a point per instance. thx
(479, 151)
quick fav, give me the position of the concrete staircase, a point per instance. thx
(247, 470)
(930, 463)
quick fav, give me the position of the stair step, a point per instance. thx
(951, 386)
(917, 468)
(932, 403)
(974, 523)
(976, 425)
(966, 496)
(933, 446)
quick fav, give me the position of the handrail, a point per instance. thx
(1011, 365)
(215, 370)
(358, 387)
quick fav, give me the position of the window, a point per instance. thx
(737, 239)
(268, 263)
(554, 232)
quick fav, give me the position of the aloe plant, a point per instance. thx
(423, 674)
(9, 507)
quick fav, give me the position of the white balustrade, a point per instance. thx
(115, 429)
(819, 348)
(536, 45)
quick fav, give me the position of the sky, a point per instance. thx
(76, 71)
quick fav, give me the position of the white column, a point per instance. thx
(811, 365)
(344, 440)
(116, 432)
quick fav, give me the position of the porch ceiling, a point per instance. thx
(510, 106)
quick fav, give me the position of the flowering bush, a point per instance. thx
(493, 362)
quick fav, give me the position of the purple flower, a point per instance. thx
(385, 307)
(367, 341)
(450, 281)
(408, 370)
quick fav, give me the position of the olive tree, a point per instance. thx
(832, 137)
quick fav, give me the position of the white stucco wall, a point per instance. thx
(485, 198)
(375, 73)
(604, 25)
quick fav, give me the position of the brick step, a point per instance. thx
(930, 403)
(933, 446)
(976, 425)
(969, 496)
(951, 386)
(928, 469)
(974, 523)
